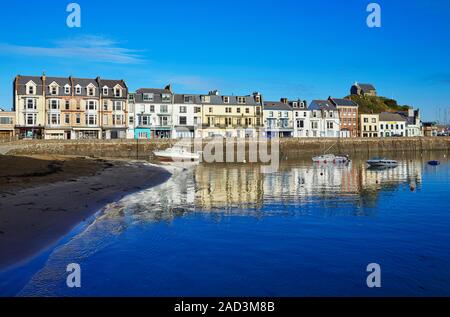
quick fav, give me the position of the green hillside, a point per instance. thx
(369, 104)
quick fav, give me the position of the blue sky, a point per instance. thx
(285, 48)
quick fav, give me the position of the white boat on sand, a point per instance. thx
(177, 154)
(379, 162)
(331, 159)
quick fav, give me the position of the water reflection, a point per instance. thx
(244, 189)
(132, 227)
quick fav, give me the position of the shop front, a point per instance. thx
(162, 133)
(142, 133)
(87, 134)
(30, 132)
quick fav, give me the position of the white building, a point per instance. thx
(392, 124)
(187, 116)
(413, 123)
(301, 117)
(153, 113)
(324, 119)
(277, 118)
(131, 116)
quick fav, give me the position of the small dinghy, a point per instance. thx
(331, 159)
(434, 163)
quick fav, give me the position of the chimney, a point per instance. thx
(284, 100)
(214, 93)
(71, 85)
(44, 77)
(168, 87)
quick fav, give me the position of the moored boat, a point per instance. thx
(382, 162)
(177, 153)
(331, 159)
(434, 163)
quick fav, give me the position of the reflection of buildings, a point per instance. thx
(244, 186)
(297, 182)
(228, 186)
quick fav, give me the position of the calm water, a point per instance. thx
(229, 230)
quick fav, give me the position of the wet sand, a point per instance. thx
(43, 198)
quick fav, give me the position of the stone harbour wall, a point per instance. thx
(289, 148)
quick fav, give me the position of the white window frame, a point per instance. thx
(115, 108)
(90, 90)
(33, 103)
(54, 90)
(148, 97)
(91, 102)
(67, 89)
(54, 104)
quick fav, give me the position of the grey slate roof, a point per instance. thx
(321, 105)
(179, 99)
(157, 95)
(366, 87)
(73, 82)
(111, 83)
(276, 106)
(405, 115)
(21, 81)
(343, 102)
(390, 116)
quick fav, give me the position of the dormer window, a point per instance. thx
(78, 90)
(258, 98)
(147, 97)
(53, 90)
(226, 99)
(105, 91)
(67, 89)
(241, 100)
(295, 104)
(188, 99)
(206, 99)
(31, 90)
(91, 90)
(166, 98)
(117, 92)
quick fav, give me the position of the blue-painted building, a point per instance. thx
(142, 133)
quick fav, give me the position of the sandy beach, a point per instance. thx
(43, 198)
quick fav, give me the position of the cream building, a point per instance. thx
(231, 116)
(70, 108)
(29, 106)
(7, 123)
(114, 108)
(369, 124)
